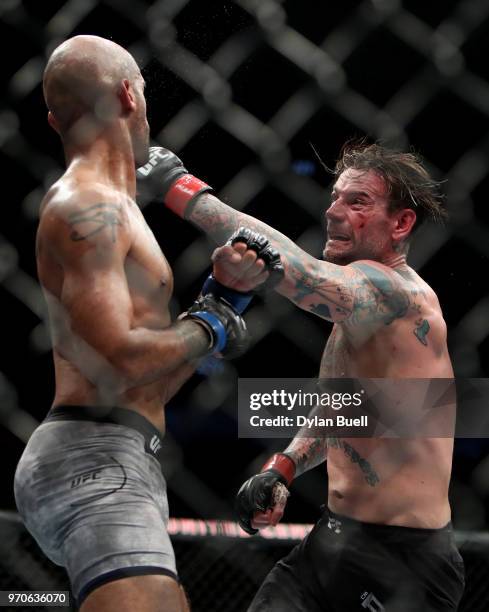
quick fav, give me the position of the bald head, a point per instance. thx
(83, 75)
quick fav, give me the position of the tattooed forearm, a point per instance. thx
(95, 219)
(306, 453)
(370, 475)
(214, 217)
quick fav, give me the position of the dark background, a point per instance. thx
(240, 90)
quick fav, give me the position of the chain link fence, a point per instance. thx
(243, 90)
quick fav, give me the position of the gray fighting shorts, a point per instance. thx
(91, 492)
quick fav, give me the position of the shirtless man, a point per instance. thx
(385, 541)
(89, 485)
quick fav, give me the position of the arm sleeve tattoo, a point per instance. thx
(359, 293)
(307, 452)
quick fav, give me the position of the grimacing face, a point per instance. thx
(359, 225)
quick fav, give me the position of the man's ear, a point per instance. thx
(404, 223)
(52, 122)
(127, 98)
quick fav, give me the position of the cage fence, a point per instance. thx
(241, 90)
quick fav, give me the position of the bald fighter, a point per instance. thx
(385, 541)
(89, 485)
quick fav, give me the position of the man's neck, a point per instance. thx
(395, 260)
(109, 157)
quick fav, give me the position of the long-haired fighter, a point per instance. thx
(385, 541)
(89, 485)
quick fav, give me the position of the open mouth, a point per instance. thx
(338, 237)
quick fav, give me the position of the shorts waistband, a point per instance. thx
(153, 439)
(387, 532)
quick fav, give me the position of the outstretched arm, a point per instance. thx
(322, 288)
(361, 292)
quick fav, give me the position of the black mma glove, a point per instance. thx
(239, 300)
(226, 327)
(165, 178)
(256, 494)
(262, 247)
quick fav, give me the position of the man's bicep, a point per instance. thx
(359, 293)
(325, 289)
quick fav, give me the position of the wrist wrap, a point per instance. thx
(215, 324)
(183, 191)
(238, 300)
(282, 464)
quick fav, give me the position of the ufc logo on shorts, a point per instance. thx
(370, 602)
(154, 157)
(155, 444)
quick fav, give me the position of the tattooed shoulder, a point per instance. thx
(379, 297)
(97, 218)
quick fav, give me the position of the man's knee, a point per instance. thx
(152, 593)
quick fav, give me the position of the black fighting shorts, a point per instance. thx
(346, 566)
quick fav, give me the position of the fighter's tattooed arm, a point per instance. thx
(370, 475)
(308, 448)
(306, 453)
(361, 293)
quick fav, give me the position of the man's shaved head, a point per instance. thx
(81, 76)
(82, 83)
